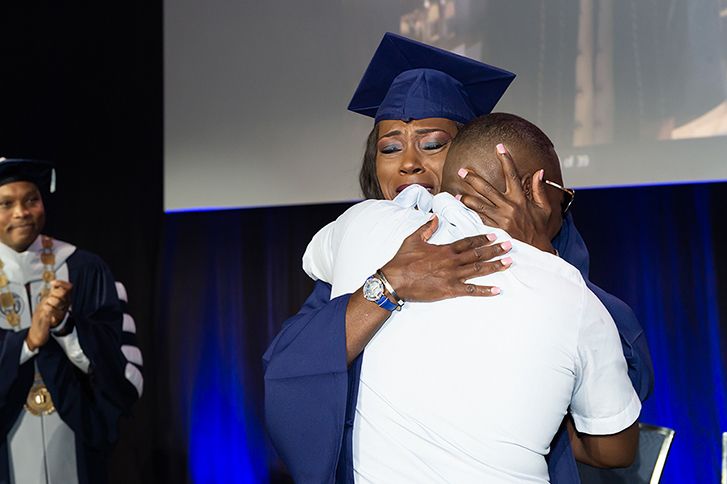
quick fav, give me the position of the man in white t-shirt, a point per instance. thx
(474, 389)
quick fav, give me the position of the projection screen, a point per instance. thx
(256, 92)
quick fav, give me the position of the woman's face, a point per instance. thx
(412, 152)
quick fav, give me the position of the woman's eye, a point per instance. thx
(432, 145)
(391, 148)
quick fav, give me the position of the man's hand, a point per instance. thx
(49, 314)
(424, 272)
(523, 217)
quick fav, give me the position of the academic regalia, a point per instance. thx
(87, 405)
(310, 393)
(408, 80)
(65, 438)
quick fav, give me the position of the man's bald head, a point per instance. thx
(474, 149)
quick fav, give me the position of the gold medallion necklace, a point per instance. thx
(7, 300)
(39, 401)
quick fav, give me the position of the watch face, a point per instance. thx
(373, 289)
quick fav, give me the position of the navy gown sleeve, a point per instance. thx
(306, 387)
(14, 377)
(92, 403)
(15, 382)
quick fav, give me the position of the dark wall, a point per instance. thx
(81, 85)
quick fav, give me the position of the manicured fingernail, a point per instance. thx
(506, 245)
(458, 196)
(506, 261)
(501, 148)
(495, 291)
(491, 237)
(462, 172)
(540, 175)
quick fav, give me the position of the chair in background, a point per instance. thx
(654, 443)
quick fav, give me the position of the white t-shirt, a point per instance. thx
(472, 389)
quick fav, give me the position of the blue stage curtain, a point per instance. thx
(661, 249)
(231, 278)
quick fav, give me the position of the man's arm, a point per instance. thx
(633, 342)
(604, 409)
(617, 450)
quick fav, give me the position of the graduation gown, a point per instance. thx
(89, 404)
(311, 394)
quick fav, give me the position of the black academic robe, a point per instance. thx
(90, 404)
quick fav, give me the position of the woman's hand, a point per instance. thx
(425, 272)
(524, 218)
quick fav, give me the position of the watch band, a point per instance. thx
(385, 302)
(389, 287)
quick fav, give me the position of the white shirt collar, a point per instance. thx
(459, 219)
(415, 196)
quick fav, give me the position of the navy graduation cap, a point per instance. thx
(408, 80)
(41, 173)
